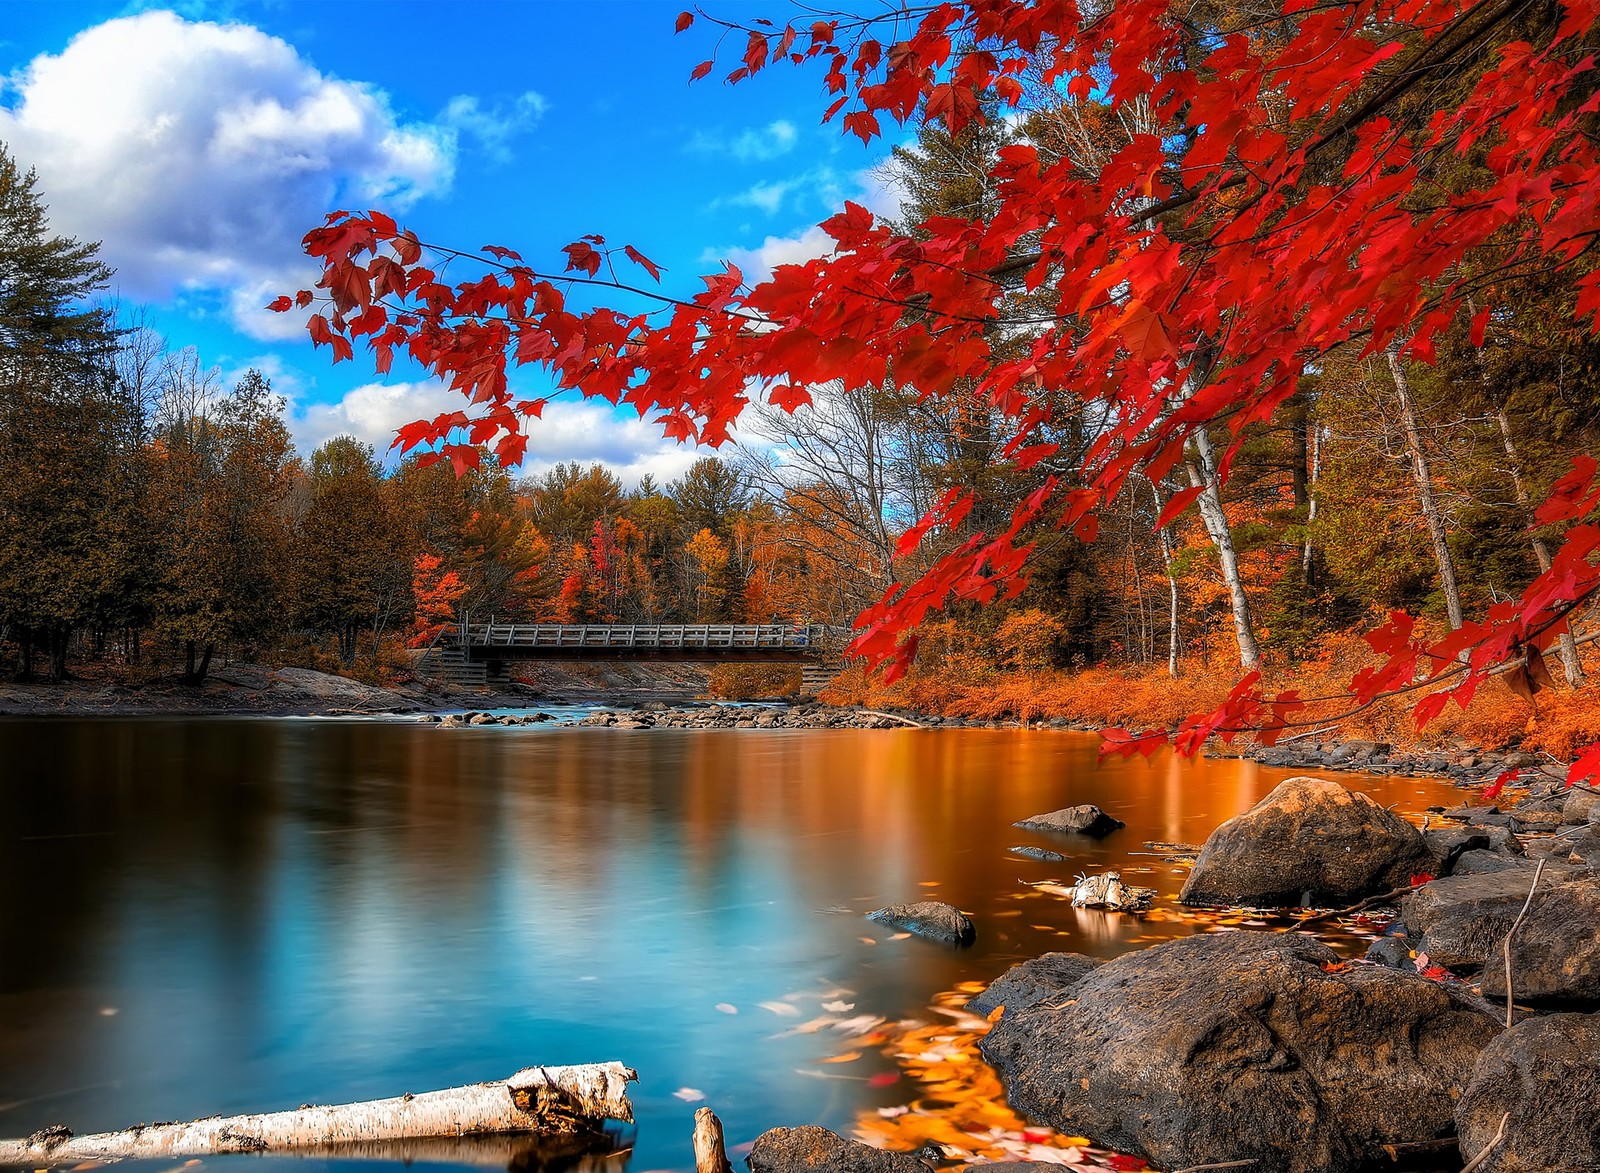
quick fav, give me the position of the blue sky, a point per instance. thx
(199, 142)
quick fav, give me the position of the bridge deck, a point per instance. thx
(707, 641)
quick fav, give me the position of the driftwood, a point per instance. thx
(710, 1154)
(540, 1100)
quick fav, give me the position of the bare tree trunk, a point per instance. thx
(710, 1154)
(1568, 647)
(1423, 476)
(1307, 563)
(1164, 536)
(1202, 472)
(538, 1099)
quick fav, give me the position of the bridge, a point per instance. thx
(470, 652)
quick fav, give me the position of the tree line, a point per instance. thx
(151, 512)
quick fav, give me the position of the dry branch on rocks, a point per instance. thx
(539, 1100)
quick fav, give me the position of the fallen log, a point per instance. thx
(541, 1100)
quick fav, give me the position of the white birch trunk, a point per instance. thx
(543, 1100)
(1203, 475)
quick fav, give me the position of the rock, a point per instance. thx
(1555, 951)
(1577, 809)
(1586, 848)
(1310, 842)
(1033, 981)
(1044, 855)
(929, 918)
(1394, 952)
(1544, 1072)
(1077, 820)
(1243, 1046)
(1535, 820)
(1457, 920)
(1478, 863)
(1455, 842)
(810, 1149)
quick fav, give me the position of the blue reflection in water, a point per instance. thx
(230, 916)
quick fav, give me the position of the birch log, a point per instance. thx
(542, 1100)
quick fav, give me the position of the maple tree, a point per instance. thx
(1250, 192)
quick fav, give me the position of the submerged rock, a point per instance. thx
(1243, 1046)
(1076, 820)
(1310, 842)
(1036, 980)
(932, 919)
(1543, 1078)
(811, 1149)
(1043, 854)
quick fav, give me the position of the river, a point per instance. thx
(221, 915)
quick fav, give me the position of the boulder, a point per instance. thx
(1310, 842)
(928, 918)
(1478, 863)
(1448, 844)
(811, 1149)
(1458, 919)
(1243, 1046)
(1033, 981)
(1579, 806)
(1555, 951)
(1076, 820)
(1542, 1077)
(1042, 854)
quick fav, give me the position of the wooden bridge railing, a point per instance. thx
(730, 637)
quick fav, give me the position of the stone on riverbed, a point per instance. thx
(811, 1149)
(1581, 806)
(1555, 951)
(1033, 981)
(1544, 1072)
(1042, 854)
(932, 919)
(1076, 820)
(1310, 842)
(1243, 1046)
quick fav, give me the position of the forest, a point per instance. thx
(155, 520)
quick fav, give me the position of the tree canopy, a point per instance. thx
(1207, 204)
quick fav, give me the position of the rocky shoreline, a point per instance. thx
(1468, 1032)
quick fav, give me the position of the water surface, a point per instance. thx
(221, 916)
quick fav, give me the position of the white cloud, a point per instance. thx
(587, 432)
(753, 145)
(200, 153)
(493, 127)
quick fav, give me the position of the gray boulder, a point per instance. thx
(1243, 1046)
(1075, 820)
(810, 1149)
(1448, 844)
(1555, 951)
(932, 919)
(1542, 1077)
(1042, 854)
(1580, 807)
(1033, 981)
(1479, 863)
(1310, 842)
(1458, 919)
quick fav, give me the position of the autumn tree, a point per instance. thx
(221, 476)
(349, 574)
(1283, 203)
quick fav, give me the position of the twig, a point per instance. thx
(1309, 733)
(892, 717)
(1369, 902)
(1217, 1165)
(1537, 872)
(1499, 1135)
